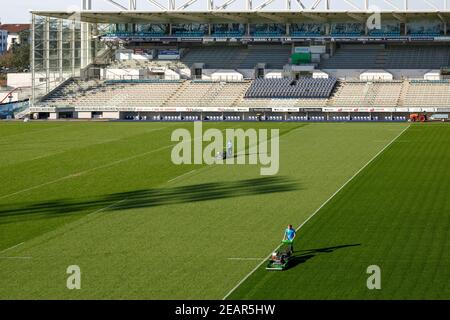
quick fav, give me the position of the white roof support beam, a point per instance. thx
(157, 4)
(300, 3)
(431, 4)
(116, 4)
(315, 4)
(171, 5)
(288, 5)
(392, 4)
(352, 4)
(86, 4)
(264, 4)
(249, 4)
(187, 4)
(225, 4)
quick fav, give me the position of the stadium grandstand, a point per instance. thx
(213, 61)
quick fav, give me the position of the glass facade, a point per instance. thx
(60, 50)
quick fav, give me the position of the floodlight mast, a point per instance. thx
(295, 5)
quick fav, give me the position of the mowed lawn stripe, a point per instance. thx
(24, 215)
(81, 153)
(35, 210)
(315, 212)
(159, 243)
(395, 214)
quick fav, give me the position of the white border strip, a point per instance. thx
(10, 248)
(242, 259)
(318, 209)
(181, 175)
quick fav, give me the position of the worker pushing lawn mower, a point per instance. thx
(279, 260)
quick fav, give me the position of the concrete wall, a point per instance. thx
(84, 115)
(398, 74)
(111, 115)
(111, 74)
(17, 80)
(222, 75)
(53, 116)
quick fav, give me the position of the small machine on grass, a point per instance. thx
(280, 259)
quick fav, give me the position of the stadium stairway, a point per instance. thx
(22, 114)
(403, 94)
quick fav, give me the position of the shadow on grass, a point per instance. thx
(147, 198)
(301, 256)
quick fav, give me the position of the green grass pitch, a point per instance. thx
(106, 197)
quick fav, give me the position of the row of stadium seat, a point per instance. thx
(219, 34)
(426, 34)
(364, 118)
(268, 33)
(372, 33)
(222, 95)
(291, 118)
(232, 118)
(287, 88)
(346, 33)
(227, 34)
(382, 33)
(186, 33)
(189, 33)
(306, 34)
(354, 94)
(431, 94)
(389, 57)
(214, 57)
(137, 34)
(274, 118)
(298, 118)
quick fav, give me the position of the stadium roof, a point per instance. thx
(221, 16)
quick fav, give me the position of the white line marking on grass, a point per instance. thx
(10, 248)
(318, 209)
(77, 174)
(112, 205)
(239, 259)
(89, 145)
(182, 175)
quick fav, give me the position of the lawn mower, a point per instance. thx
(279, 260)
